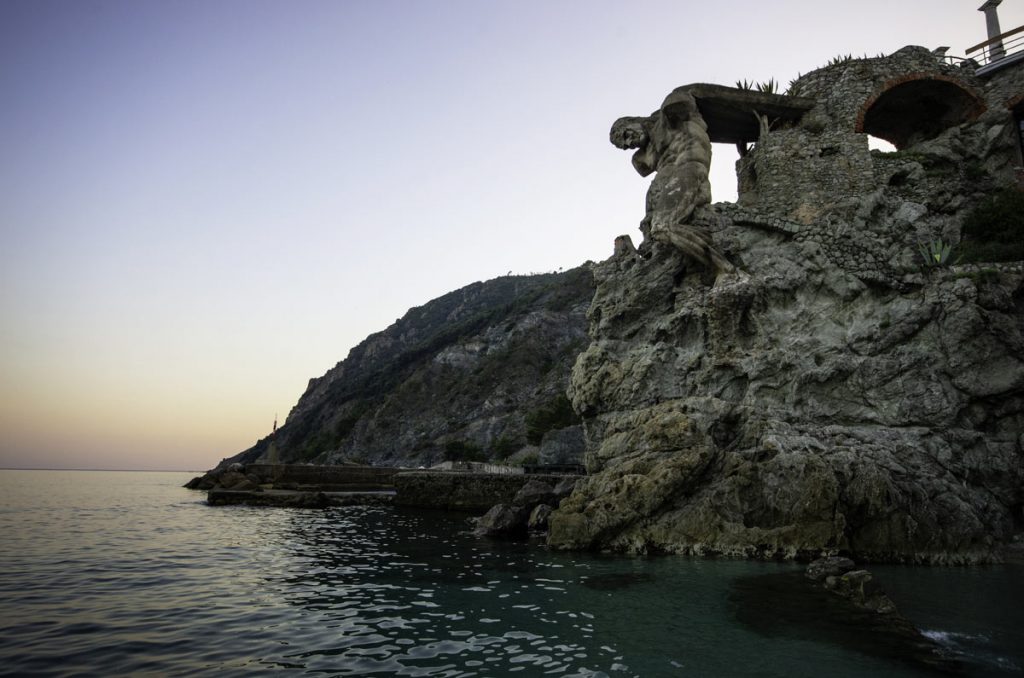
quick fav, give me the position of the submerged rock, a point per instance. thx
(787, 604)
(858, 586)
(831, 566)
(841, 577)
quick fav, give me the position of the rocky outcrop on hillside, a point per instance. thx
(478, 374)
(806, 372)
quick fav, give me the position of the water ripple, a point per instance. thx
(130, 574)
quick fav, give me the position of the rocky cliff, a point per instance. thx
(807, 370)
(478, 374)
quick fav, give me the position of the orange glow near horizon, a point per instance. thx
(205, 204)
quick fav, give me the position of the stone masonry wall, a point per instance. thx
(845, 88)
(292, 476)
(799, 174)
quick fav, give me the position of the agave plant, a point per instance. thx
(840, 59)
(936, 253)
(795, 87)
(769, 87)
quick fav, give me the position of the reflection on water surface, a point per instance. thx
(102, 574)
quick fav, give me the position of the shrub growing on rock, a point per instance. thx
(994, 231)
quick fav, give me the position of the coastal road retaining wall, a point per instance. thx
(324, 478)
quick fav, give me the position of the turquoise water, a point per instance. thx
(127, 573)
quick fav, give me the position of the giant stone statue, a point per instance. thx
(674, 143)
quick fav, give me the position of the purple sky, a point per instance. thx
(204, 204)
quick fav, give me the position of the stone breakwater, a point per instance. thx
(296, 477)
(298, 498)
(318, 486)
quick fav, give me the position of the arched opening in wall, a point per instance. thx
(918, 109)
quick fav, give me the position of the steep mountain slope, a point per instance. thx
(477, 374)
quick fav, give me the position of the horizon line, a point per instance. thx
(112, 470)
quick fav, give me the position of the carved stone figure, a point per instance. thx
(674, 143)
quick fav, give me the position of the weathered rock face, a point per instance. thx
(828, 395)
(471, 375)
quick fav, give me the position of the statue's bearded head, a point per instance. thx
(651, 133)
(635, 132)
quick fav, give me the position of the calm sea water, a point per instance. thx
(107, 573)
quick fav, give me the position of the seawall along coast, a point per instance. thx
(310, 486)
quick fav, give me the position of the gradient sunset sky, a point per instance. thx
(204, 204)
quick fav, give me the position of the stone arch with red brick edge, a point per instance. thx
(918, 106)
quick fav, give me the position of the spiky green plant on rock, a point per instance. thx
(936, 253)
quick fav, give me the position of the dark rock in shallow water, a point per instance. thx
(860, 589)
(534, 493)
(232, 477)
(530, 509)
(539, 517)
(828, 567)
(503, 521)
(788, 605)
(207, 481)
(839, 576)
